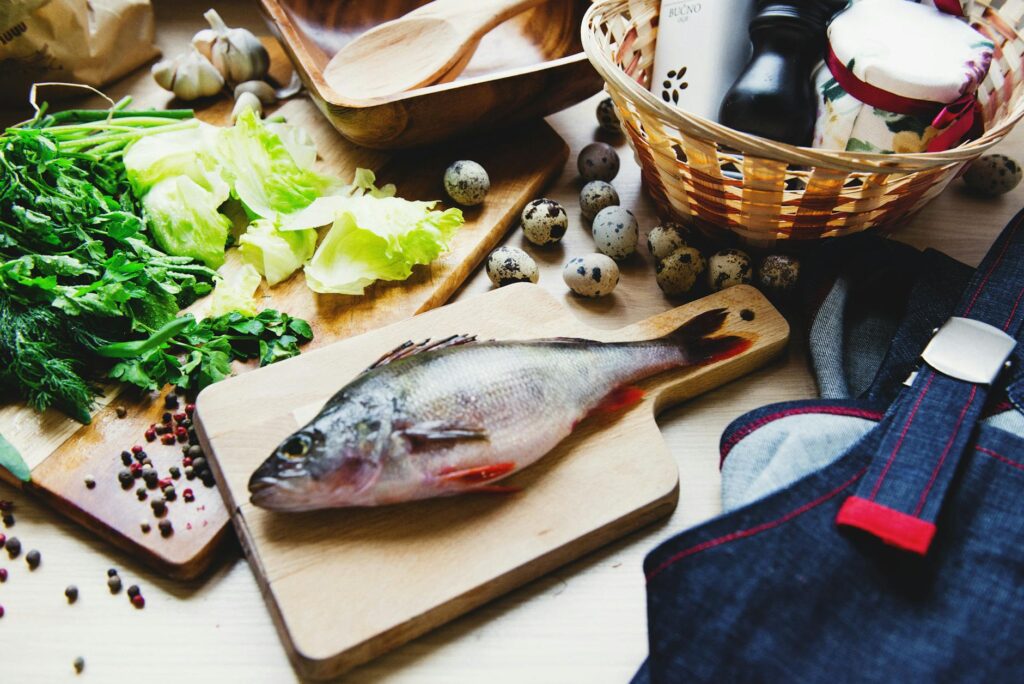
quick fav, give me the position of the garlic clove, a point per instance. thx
(264, 91)
(203, 40)
(163, 73)
(246, 100)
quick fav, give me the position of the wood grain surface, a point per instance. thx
(584, 622)
(408, 568)
(63, 453)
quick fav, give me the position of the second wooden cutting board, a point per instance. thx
(347, 585)
(63, 453)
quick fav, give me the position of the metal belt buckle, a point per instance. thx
(969, 350)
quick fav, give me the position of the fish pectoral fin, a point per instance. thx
(437, 430)
(478, 475)
(620, 399)
(410, 348)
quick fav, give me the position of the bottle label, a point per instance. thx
(702, 46)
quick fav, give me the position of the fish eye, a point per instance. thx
(297, 446)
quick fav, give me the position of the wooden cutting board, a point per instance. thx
(344, 586)
(63, 453)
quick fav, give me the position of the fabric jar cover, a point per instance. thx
(900, 77)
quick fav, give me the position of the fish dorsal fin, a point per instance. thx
(410, 348)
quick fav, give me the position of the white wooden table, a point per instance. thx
(584, 623)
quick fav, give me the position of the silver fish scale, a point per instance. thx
(504, 387)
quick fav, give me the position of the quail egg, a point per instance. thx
(667, 238)
(598, 161)
(592, 275)
(615, 232)
(607, 119)
(544, 221)
(727, 268)
(993, 174)
(778, 273)
(678, 272)
(595, 196)
(466, 182)
(507, 265)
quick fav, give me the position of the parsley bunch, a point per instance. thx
(80, 272)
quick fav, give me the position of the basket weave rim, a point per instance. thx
(745, 143)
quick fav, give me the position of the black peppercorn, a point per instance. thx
(33, 558)
(166, 528)
(13, 547)
(8, 520)
(141, 456)
(79, 664)
(134, 591)
(72, 593)
(141, 493)
(114, 584)
(190, 473)
(111, 572)
(175, 472)
(171, 401)
(194, 451)
(121, 411)
(90, 483)
(159, 507)
(126, 458)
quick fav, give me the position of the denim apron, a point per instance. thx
(876, 539)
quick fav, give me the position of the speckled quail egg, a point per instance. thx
(595, 196)
(667, 238)
(778, 273)
(607, 119)
(544, 221)
(678, 272)
(592, 275)
(507, 265)
(466, 182)
(598, 161)
(727, 268)
(993, 174)
(615, 232)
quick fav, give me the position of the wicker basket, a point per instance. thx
(767, 192)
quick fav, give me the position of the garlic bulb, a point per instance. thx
(189, 76)
(238, 55)
(243, 102)
(260, 89)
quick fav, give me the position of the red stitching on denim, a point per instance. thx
(945, 452)
(1000, 457)
(992, 267)
(1009, 320)
(899, 442)
(740, 433)
(751, 531)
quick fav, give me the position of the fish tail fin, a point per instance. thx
(693, 338)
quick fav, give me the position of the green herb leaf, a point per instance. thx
(11, 460)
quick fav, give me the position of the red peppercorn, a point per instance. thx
(6, 505)
(178, 417)
(165, 482)
(1, 611)
(138, 601)
(182, 434)
(190, 409)
(135, 468)
(3, 540)
(3, 574)
(137, 448)
(167, 439)
(186, 462)
(189, 495)
(150, 434)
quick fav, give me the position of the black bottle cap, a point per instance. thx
(812, 14)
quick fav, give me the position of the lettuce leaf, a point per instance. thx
(378, 238)
(262, 171)
(158, 157)
(234, 292)
(183, 218)
(274, 253)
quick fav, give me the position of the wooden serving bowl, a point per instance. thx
(528, 67)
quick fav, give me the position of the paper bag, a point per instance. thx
(77, 41)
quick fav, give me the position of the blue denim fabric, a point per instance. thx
(775, 590)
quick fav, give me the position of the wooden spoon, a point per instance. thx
(420, 48)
